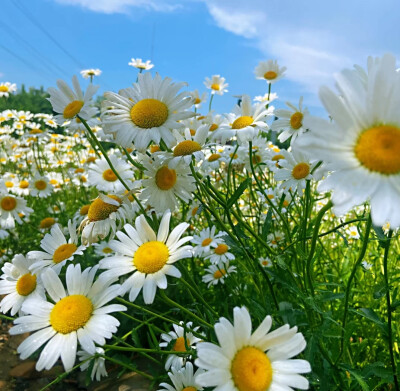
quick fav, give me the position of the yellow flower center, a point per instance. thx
(8, 203)
(71, 313)
(107, 250)
(296, 120)
(24, 184)
(189, 389)
(109, 175)
(265, 263)
(151, 257)
(47, 222)
(3, 89)
(215, 87)
(26, 284)
(100, 210)
(194, 210)
(221, 249)
(84, 210)
(72, 109)
(186, 147)
(214, 157)
(64, 252)
(242, 122)
(165, 178)
(219, 273)
(40, 184)
(300, 171)
(277, 157)
(251, 370)
(90, 159)
(79, 170)
(154, 148)
(206, 242)
(378, 149)
(197, 101)
(9, 184)
(233, 155)
(256, 159)
(270, 75)
(179, 345)
(149, 113)
(213, 127)
(36, 131)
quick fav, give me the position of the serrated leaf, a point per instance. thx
(238, 192)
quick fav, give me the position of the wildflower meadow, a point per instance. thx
(143, 231)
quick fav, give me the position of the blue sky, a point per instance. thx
(188, 40)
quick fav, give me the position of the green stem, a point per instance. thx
(211, 99)
(144, 350)
(122, 364)
(353, 272)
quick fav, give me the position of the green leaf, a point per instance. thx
(267, 224)
(238, 192)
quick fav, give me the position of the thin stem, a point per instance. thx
(122, 364)
(211, 99)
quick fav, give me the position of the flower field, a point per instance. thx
(252, 250)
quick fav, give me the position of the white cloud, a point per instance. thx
(121, 6)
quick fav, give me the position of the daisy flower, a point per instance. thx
(147, 258)
(290, 121)
(57, 251)
(216, 84)
(18, 284)
(101, 175)
(206, 240)
(103, 249)
(257, 361)
(274, 238)
(103, 215)
(89, 73)
(99, 363)
(40, 186)
(212, 161)
(245, 122)
(218, 273)
(47, 223)
(220, 254)
(265, 261)
(10, 209)
(70, 103)
(183, 340)
(362, 143)
(352, 232)
(76, 314)
(295, 169)
(270, 71)
(197, 99)
(7, 88)
(139, 64)
(165, 184)
(183, 379)
(266, 98)
(147, 112)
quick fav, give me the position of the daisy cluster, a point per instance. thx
(149, 209)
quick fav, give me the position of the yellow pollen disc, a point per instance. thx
(36, 131)
(277, 157)
(214, 157)
(192, 132)
(251, 370)
(219, 273)
(79, 170)
(242, 122)
(72, 109)
(186, 147)
(9, 184)
(265, 263)
(271, 196)
(296, 120)
(180, 345)
(256, 159)
(71, 313)
(206, 242)
(215, 87)
(47, 222)
(109, 175)
(151, 257)
(233, 156)
(189, 389)
(24, 184)
(90, 159)
(165, 178)
(149, 113)
(8, 203)
(3, 89)
(107, 250)
(270, 75)
(221, 249)
(194, 211)
(154, 148)
(213, 127)
(26, 284)
(40, 184)
(64, 252)
(84, 210)
(100, 210)
(378, 149)
(300, 171)
(197, 101)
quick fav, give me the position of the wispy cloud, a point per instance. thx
(122, 6)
